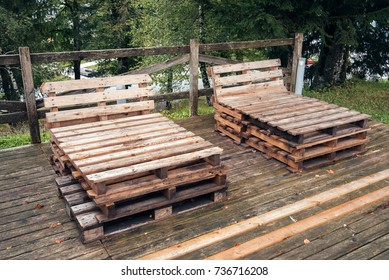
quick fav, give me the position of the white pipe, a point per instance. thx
(300, 76)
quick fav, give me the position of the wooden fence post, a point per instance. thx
(193, 77)
(297, 50)
(29, 95)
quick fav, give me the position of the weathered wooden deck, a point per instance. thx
(34, 225)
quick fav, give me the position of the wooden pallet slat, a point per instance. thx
(249, 77)
(117, 130)
(290, 128)
(62, 131)
(308, 115)
(94, 224)
(138, 133)
(94, 83)
(273, 86)
(125, 160)
(141, 186)
(128, 145)
(227, 68)
(76, 114)
(152, 165)
(328, 124)
(281, 108)
(340, 114)
(102, 165)
(123, 139)
(95, 97)
(88, 131)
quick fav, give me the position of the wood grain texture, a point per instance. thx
(256, 244)
(271, 216)
(29, 94)
(98, 111)
(87, 98)
(94, 83)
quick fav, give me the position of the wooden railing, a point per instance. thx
(191, 54)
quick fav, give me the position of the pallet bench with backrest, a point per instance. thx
(252, 105)
(125, 159)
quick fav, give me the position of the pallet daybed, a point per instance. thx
(122, 164)
(252, 105)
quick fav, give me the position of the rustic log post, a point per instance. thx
(297, 50)
(29, 95)
(193, 77)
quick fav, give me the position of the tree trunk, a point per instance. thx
(13, 81)
(77, 69)
(76, 38)
(346, 62)
(10, 93)
(331, 60)
(203, 66)
(169, 86)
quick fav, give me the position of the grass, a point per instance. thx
(369, 97)
(18, 135)
(180, 109)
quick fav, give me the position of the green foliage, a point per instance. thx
(372, 49)
(114, 22)
(333, 30)
(18, 25)
(364, 96)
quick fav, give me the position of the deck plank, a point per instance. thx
(256, 185)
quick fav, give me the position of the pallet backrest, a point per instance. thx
(257, 77)
(100, 96)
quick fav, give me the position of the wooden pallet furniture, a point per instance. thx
(252, 105)
(126, 160)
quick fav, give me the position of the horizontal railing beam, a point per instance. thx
(115, 53)
(13, 106)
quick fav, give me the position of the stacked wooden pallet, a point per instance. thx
(299, 131)
(127, 161)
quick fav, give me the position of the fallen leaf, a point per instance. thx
(317, 175)
(60, 240)
(9, 247)
(39, 206)
(357, 155)
(330, 171)
(54, 225)
(306, 241)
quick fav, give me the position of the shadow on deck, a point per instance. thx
(34, 225)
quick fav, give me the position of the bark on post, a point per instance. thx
(29, 96)
(297, 50)
(193, 77)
